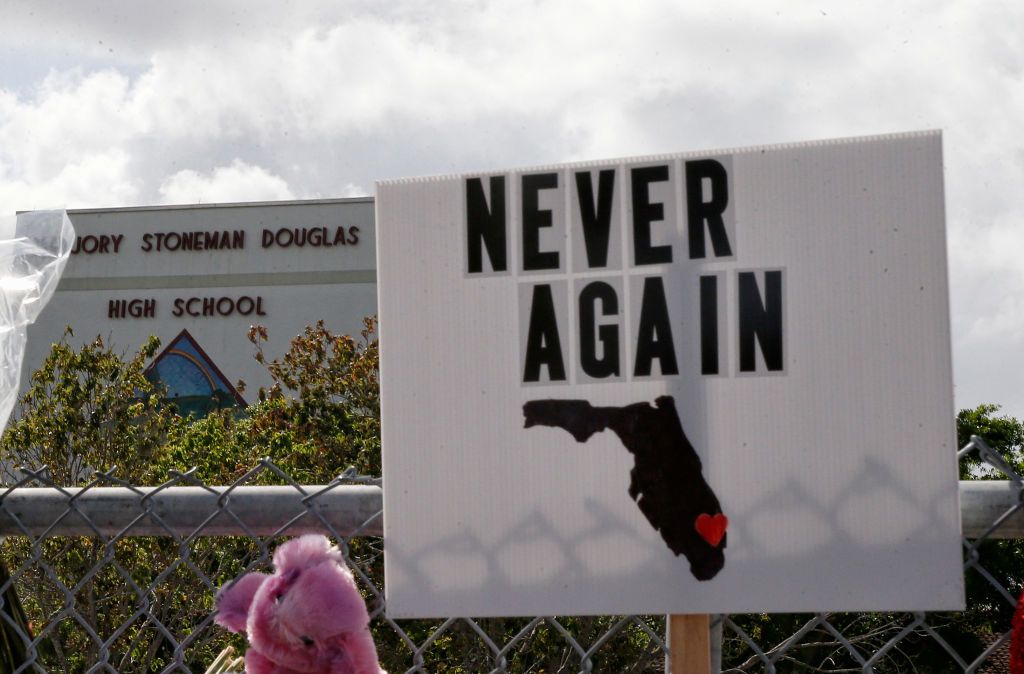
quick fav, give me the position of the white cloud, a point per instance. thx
(93, 180)
(237, 182)
(353, 190)
(73, 115)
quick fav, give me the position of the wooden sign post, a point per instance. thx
(689, 644)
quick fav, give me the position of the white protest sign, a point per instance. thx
(695, 383)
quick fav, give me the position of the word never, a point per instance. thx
(706, 195)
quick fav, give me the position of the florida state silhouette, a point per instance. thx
(666, 481)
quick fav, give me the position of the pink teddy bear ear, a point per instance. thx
(235, 600)
(305, 552)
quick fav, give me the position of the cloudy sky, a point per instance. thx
(146, 102)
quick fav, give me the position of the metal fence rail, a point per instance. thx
(113, 577)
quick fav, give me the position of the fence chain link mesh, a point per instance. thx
(97, 579)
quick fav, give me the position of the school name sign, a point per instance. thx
(695, 383)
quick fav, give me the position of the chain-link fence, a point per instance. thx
(119, 578)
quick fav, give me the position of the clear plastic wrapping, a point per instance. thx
(34, 247)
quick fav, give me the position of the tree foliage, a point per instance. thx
(90, 409)
(1001, 432)
(326, 394)
(319, 416)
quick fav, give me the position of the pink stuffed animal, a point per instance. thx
(308, 617)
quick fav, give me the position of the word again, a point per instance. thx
(657, 328)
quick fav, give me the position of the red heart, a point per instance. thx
(711, 529)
